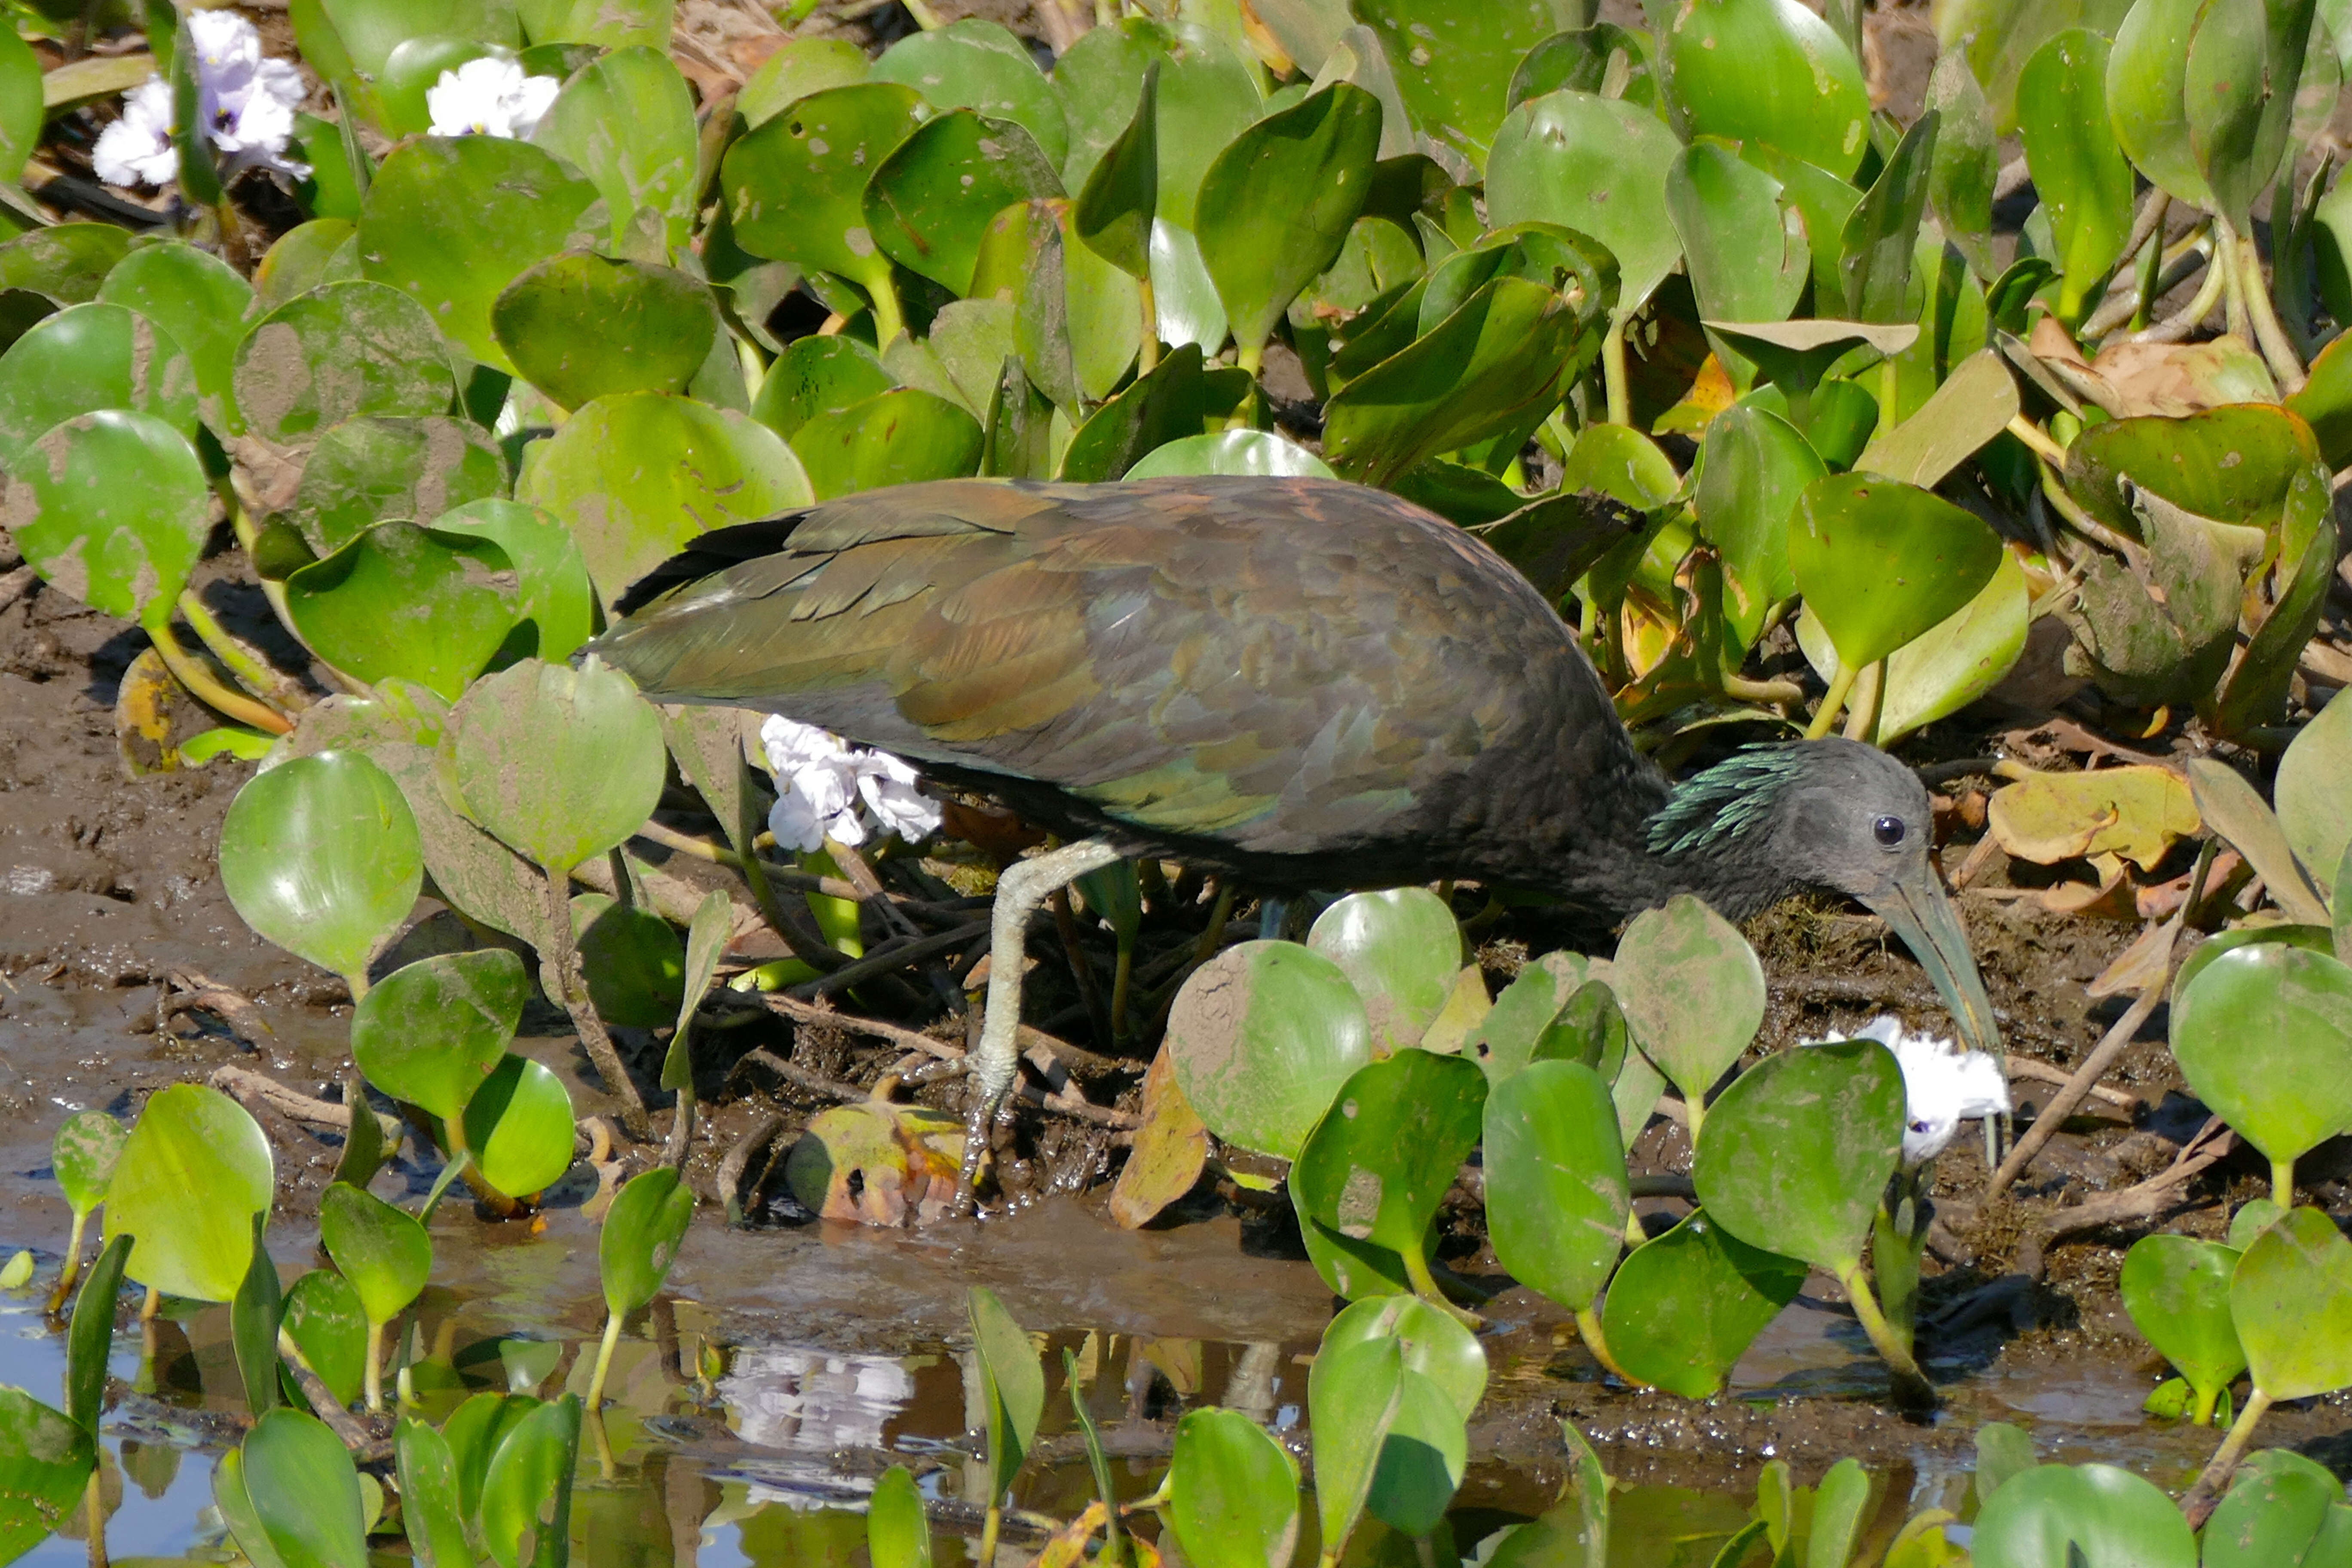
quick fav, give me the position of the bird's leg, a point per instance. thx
(1025, 885)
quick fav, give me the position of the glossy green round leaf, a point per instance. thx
(1252, 452)
(578, 326)
(802, 66)
(1262, 1037)
(638, 476)
(2234, 464)
(527, 1487)
(1454, 63)
(1423, 1460)
(324, 1317)
(89, 357)
(430, 1032)
(2313, 806)
(1352, 1399)
(45, 1459)
(2263, 1035)
(323, 250)
(2238, 87)
(1494, 366)
(899, 437)
(1795, 1153)
(320, 856)
(1769, 71)
(519, 1125)
(1506, 1039)
(193, 1173)
(558, 601)
(1755, 467)
(82, 1154)
(338, 351)
(1598, 166)
(1946, 667)
(1276, 205)
(382, 1250)
(1684, 1307)
(636, 965)
(626, 122)
(641, 1236)
(69, 262)
(795, 186)
(452, 221)
(2097, 1516)
(929, 203)
(1012, 1385)
(1401, 950)
(1099, 80)
(1434, 1343)
(978, 64)
(817, 375)
(1744, 246)
(112, 509)
(382, 466)
(1556, 1187)
(2084, 184)
(1233, 1493)
(2290, 1301)
(2177, 1290)
(1882, 562)
(560, 763)
(1692, 991)
(401, 600)
(202, 302)
(1379, 1161)
(1183, 299)
(2312, 938)
(2147, 69)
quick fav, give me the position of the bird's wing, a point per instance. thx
(1279, 664)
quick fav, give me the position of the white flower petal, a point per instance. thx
(488, 96)
(530, 102)
(796, 827)
(1942, 1086)
(224, 41)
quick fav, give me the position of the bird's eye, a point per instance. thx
(1887, 830)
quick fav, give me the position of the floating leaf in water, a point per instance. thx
(1233, 1493)
(320, 856)
(578, 326)
(1556, 1187)
(1262, 1037)
(2177, 1290)
(192, 1175)
(45, 1461)
(1685, 1306)
(2262, 1034)
(1401, 950)
(433, 1030)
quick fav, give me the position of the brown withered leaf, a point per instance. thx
(1170, 1148)
(2128, 379)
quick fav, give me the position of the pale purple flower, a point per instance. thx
(822, 783)
(244, 107)
(488, 96)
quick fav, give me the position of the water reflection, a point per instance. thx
(809, 1405)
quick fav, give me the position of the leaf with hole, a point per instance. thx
(430, 1032)
(795, 186)
(1685, 1306)
(320, 856)
(1380, 1159)
(1262, 1036)
(1795, 1153)
(193, 1173)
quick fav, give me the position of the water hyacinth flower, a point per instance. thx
(488, 96)
(1943, 1086)
(245, 106)
(826, 788)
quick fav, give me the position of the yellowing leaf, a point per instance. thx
(2134, 812)
(875, 1163)
(1171, 1148)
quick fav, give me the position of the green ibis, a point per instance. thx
(1301, 683)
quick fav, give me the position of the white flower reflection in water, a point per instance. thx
(807, 1405)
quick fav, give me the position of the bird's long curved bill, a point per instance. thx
(1924, 918)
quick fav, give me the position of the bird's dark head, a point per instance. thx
(1825, 814)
